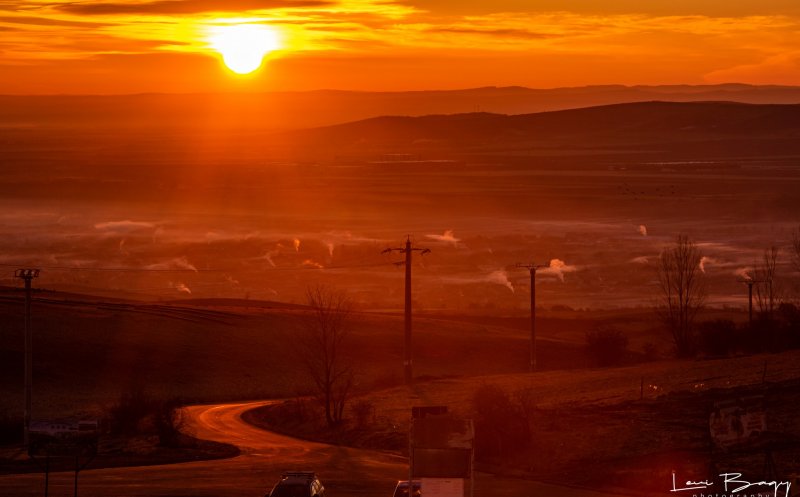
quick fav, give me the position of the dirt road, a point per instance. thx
(264, 455)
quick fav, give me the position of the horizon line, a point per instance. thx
(430, 90)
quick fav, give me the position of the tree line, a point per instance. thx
(683, 294)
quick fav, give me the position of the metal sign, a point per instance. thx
(63, 438)
(738, 422)
(443, 487)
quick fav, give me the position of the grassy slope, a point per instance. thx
(596, 427)
(88, 351)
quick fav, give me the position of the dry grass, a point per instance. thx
(598, 426)
(595, 387)
(89, 351)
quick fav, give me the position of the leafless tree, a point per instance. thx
(323, 349)
(683, 291)
(795, 248)
(766, 288)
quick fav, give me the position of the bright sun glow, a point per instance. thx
(243, 46)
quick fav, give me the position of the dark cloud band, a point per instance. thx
(42, 21)
(186, 6)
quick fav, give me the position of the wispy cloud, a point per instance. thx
(705, 260)
(181, 287)
(496, 277)
(780, 68)
(185, 6)
(349, 43)
(124, 226)
(500, 277)
(447, 237)
(558, 268)
(177, 263)
(503, 33)
(46, 21)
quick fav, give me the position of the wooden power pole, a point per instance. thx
(407, 354)
(28, 275)
(532, 269)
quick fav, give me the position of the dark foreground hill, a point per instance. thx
(88, 351)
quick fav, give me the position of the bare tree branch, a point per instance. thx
(683, 291)
(795, 248)
(322, 349)
(767, 292)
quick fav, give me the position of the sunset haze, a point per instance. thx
(167, 45)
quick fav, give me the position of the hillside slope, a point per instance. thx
(652, 125)
(89, 351)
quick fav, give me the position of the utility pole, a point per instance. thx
(407, 355)
(750, 282)
(28, 275)
(532, 269)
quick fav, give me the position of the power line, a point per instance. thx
(407, 250)
(122, 269)
(188, 270)
(532, 269)
(28, 274)
(750, 282)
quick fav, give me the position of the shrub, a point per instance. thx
(501, 426)
(789, 315)
(10, 429)
(650, 352)
(127, 415)
(718, 338)
(363, 412)
(169, 420)
(765, 335)
(607, 346)
(295, 411)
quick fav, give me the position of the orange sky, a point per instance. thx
(125, 46)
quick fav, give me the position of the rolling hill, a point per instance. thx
(649, 125)
(88, 351)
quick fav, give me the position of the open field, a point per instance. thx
(88, 351)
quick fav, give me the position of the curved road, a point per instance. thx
(264, 455)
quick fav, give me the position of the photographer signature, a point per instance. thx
(730, 480)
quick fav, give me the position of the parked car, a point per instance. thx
(401, 490)
(298, 484)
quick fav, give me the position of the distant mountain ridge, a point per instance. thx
(293, 110)
(720, 117)
(659, 130)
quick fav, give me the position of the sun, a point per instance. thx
(243, 46)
